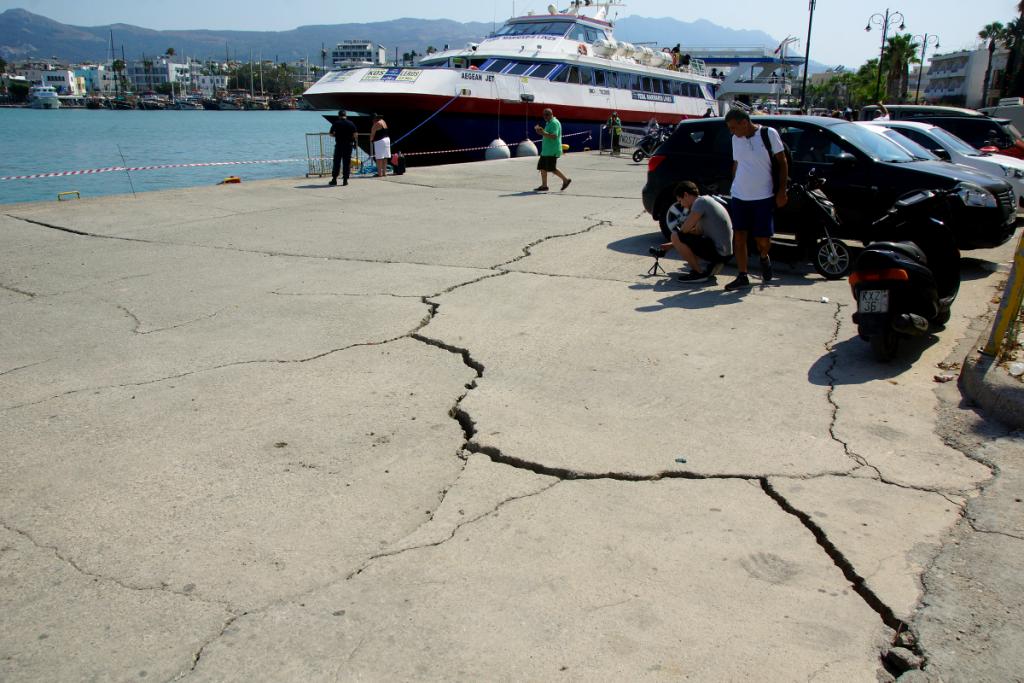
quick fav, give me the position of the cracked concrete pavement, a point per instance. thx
(437, 427)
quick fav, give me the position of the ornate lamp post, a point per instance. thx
(884, 22)
(925, 39)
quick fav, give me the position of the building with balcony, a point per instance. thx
(350, 53)
(210, 85)
(957, 78)
(145, 75)
(97, 79)
(60, 79)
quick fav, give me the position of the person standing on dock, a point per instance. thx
(614, 126)
(381, 141)
(550, 150)
(344, 133)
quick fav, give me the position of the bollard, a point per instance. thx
(1009, 307)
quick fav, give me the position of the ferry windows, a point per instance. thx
(586, 76)
(677, 88)
(519, 68)
(578, 33)
(600, 78)
(574, 74)
(562, 76)
(593, 35)
(543, 70)
(497, 65)
(635, 82)
(646, 85)
(551, 28)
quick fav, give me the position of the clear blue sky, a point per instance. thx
(838, 36)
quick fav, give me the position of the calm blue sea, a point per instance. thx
(40, 141)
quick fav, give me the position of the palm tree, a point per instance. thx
(901, 51)
(993, 33)
(118, 67)
(170, 52)
(1014, 39)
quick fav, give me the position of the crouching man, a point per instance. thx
(704, 240)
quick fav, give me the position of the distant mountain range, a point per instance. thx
(24, 35)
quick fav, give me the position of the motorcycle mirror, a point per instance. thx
(941, 153)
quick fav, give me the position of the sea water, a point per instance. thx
(46, 140)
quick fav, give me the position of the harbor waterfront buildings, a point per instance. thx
(349, 53)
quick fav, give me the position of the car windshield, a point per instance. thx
(953, 143)
(878, 147)
(915, 149)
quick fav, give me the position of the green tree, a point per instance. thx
(994, 33)
(900, 52)
(170, 52)
(3, 66)
(18, 91)
(1014, 40)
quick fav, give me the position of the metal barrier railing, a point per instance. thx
(320, 155)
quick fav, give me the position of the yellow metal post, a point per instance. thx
(1009, 308)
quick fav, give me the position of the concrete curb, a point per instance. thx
(991, 387)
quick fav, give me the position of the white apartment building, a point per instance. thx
(210, 85)
(98, 79)
(160, 71)
(958, 78)
(62, 80)
(358, 53)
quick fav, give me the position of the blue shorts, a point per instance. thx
(755, 217)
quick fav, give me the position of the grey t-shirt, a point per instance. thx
(715, 223)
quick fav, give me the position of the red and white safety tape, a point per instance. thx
(156, 167)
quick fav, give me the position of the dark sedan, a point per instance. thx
(864, 172)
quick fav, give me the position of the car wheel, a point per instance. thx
(672, 218)
(832, 259)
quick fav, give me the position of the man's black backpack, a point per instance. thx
(775, 162)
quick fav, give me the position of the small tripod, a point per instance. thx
(653, 270)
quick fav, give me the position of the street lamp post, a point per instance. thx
(920, 70)
(885, 22)
(807, 53)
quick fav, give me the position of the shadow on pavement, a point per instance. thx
(976, 268)
(854, 362)
(689, 296)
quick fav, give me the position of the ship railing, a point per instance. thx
(320, 155)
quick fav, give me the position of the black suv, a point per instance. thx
(864, 172)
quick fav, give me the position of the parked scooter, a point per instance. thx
(906, 287)
(650, 142)
(819, 220)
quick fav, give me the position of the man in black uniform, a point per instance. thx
(344, 133)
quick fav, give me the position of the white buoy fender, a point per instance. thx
(498, 149)
(526, 148)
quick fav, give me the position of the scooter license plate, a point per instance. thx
(873, 301)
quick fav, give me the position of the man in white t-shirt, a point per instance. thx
(755, 192)
(883, 113)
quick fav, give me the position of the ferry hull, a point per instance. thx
(432, 129)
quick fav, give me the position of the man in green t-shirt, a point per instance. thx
(550, 150)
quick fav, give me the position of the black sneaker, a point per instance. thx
(740, 282)
(333, 183)
(766, 270)
(541, 188)
(656, 252)
(695, 276)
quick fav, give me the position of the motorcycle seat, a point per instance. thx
(906, 248)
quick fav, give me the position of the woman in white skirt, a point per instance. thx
(381, 144)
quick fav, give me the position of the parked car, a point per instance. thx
(865, 174)
(947, 146)
(976, 129)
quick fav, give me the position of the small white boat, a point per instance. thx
(43, 97)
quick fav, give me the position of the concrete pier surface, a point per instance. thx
(439, 427)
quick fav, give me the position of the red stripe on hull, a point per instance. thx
(477, 106)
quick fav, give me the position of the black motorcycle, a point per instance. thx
(650, 142)
(906, 286)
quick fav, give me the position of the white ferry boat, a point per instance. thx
(43, 97)
(566, 60)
